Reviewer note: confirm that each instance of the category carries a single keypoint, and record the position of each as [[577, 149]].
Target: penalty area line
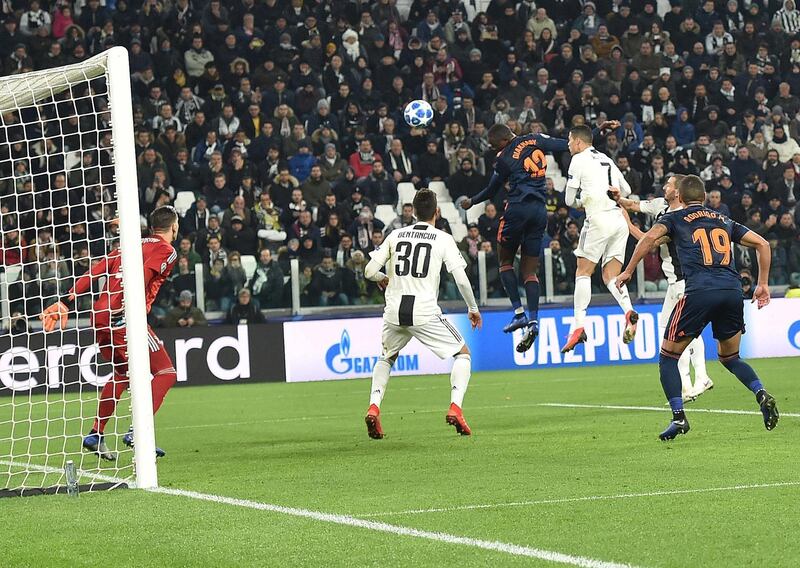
[[346, 520], [667, 492]]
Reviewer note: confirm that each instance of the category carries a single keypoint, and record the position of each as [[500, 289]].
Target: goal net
[[68, 197]]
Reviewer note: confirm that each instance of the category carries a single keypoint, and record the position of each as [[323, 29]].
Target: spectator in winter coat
[[682, 129], [244, 311], [361, 160], [184, 314], [316, 187], [300, 164], [267, 282]]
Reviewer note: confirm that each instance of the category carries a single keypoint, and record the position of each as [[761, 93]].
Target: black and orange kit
[[702, 238]]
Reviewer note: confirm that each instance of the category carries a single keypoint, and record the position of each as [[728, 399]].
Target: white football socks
[[380, 378], [683, 369], [459, 378], [697, 352], [621, 296], [583, 295]]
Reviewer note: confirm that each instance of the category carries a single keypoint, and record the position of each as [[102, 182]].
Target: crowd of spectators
[[284, 118]]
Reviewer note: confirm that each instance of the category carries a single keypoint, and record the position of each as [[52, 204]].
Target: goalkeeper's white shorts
[[437, 334]]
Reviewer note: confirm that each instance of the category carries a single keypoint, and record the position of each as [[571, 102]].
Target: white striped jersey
[[670, 264], [413, 257]]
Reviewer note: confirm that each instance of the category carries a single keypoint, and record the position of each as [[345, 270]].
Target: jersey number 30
[[716, 238], [414, 260]]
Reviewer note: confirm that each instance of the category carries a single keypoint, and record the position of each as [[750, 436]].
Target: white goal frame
[[20, 91]]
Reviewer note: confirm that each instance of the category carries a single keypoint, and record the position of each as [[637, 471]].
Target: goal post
[[69, 196]]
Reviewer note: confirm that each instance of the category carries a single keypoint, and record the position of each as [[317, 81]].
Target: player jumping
[[604, 235], [413, 257], [702, 240], [671, 267], [108, 320], [521, 161]]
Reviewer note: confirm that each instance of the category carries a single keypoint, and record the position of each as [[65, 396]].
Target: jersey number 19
[[413, 259]]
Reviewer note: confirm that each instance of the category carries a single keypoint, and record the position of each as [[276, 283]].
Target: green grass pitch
[[305, 446]]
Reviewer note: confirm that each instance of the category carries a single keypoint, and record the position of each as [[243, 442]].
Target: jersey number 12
[[413, 259]]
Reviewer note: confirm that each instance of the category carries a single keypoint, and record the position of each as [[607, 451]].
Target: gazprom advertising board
[[336, 349]]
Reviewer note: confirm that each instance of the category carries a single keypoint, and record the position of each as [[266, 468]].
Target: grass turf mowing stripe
[[496, 546], [661, 409], [586, 498], [468, 409], [346, 520]]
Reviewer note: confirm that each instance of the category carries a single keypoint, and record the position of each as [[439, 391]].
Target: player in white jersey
[[413, 257], [604, 235], [670, 265]]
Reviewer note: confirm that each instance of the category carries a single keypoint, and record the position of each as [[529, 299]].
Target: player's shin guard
[[459, 378], [671, 382], [111, 393], [622, 296], [162, 382], [511, 285], [380, 378], [744, 372], [583, 295], [532, 296]]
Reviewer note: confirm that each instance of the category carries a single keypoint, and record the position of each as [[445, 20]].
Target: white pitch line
[[586, 498], [81, 472], [346, 520], [691, 409]]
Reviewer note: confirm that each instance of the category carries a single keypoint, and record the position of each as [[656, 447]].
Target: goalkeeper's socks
[[532, 296], [511, 285], [744, 372], [671, 379]]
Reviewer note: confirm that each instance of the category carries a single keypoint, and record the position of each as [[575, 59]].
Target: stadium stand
[[304, 100]]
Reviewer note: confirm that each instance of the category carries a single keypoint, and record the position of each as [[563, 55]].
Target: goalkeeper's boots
[[96, 444], [631, 321], [127, 439], [576, 337], [531, 333], [675, 427], [373, 420], [456, 418], [769, 409], [517, 322]]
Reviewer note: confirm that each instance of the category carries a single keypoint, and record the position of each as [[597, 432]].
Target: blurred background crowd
[[275, 127]]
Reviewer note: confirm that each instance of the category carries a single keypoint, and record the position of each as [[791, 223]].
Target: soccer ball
[[418, 113]]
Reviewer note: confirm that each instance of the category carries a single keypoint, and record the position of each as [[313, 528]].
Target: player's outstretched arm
[[465, 288], [648, 241], [57, 313], [496, 182], [764, 254]]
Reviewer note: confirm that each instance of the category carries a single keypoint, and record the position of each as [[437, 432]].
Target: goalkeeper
[[108, 320]]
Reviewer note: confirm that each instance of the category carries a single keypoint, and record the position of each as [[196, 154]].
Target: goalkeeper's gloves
[[54, 315]]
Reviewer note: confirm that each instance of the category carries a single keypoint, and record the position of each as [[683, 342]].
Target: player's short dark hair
[[692, 189], [425, 204], [678, 179], [582, 132], [163, 218], [499, 133]]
